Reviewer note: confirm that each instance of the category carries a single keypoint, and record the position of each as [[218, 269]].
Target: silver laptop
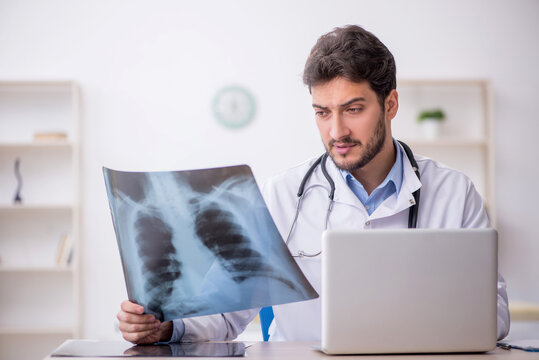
[[409, 291]]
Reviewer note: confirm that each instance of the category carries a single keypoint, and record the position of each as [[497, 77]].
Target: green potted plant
[[430, 121]]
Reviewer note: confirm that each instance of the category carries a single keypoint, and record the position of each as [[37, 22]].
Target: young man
[[352, 79]]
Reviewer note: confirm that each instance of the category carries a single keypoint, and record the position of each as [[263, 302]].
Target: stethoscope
[[412, 216]]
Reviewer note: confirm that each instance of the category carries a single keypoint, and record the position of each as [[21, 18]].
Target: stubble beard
[[371, 149]]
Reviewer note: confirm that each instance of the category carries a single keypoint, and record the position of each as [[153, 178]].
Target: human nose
[[338, 129]]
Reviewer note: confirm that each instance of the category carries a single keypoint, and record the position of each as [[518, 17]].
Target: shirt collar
[[394, 175]]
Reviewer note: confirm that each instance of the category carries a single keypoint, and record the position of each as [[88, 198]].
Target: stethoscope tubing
[[412, 217]]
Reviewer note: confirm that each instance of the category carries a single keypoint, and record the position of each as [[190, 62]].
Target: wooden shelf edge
[[37, 144], [33, 269], [6, 330], [442, 81], [446, 143], [38, 207], [28, 82], [524, 311]]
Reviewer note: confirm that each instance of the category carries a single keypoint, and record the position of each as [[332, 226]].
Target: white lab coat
[[448, 200]]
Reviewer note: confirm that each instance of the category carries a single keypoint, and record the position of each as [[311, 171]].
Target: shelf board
[[441, 82], [35, 207], [524, 311], [36, 330], [446, 143], [37, 83], [37, 144], [34, 269]]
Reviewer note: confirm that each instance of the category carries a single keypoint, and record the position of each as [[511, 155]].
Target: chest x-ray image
[[200, 242]]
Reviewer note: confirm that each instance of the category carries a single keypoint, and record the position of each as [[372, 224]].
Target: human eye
[[320, 113], [354, 109]]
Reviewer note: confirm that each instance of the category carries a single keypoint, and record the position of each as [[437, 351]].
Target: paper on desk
[[200, 242], [526, 345]]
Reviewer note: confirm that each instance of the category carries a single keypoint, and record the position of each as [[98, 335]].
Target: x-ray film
[[200, 242]]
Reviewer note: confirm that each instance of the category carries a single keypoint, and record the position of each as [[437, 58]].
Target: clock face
[[234, 106]]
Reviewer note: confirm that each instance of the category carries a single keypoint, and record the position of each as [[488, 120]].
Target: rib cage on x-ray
[[202, 251], [218, 230]]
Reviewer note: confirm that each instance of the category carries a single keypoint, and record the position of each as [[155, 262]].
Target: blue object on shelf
[[266, 317]]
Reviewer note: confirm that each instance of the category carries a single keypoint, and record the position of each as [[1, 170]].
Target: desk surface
[[295, 350], [305, 350]]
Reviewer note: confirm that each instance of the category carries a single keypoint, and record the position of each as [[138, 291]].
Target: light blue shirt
[[391, 184], [178, 330]]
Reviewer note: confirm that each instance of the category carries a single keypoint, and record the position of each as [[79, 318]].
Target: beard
[[370, 150]]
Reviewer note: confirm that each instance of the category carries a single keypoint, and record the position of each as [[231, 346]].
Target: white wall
[[149, 70]]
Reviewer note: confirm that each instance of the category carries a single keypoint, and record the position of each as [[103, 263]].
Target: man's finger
[[131, 318], [137, 338], [136, 328], [131, 307]]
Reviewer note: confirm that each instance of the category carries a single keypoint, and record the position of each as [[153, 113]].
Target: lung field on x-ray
[[158, 254], [219, 231]]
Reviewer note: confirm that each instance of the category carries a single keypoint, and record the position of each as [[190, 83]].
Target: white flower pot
[[430, 128]]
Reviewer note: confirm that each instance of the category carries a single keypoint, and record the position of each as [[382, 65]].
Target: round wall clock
[[234, 106]]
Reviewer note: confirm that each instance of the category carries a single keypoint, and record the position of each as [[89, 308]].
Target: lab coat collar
[[343, 193], [410, 182], [405, 198], [392, 205]]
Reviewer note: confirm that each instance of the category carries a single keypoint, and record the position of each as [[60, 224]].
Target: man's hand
[[139, 328]]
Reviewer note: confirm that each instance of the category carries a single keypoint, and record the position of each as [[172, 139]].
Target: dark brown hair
[[355, 54]]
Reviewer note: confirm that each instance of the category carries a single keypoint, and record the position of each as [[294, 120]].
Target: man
[[352, 79]]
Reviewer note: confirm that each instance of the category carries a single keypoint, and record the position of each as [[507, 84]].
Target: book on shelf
[[64, 254], [50, 136]]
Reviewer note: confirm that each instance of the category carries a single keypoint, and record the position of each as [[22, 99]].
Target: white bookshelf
[[40, 298], [466, 138]]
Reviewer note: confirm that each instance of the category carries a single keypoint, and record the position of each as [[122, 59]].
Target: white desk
[[305, 350]]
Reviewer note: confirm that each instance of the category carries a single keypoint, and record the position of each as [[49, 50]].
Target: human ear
[[392, 104]]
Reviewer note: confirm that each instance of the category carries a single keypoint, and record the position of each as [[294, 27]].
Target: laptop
[[409, 291]]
